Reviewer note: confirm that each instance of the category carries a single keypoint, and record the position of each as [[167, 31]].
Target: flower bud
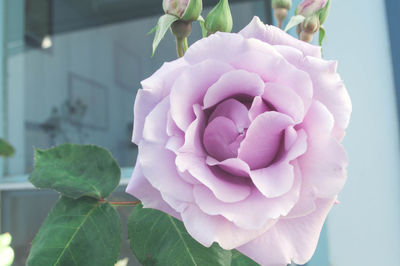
[[309, 26], [308, 7], [286, 4], [281, 8], [219, 18], [188, 10]]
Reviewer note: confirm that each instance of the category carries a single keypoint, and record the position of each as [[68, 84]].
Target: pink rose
[[308, 7], [240, 139], [175, 7]]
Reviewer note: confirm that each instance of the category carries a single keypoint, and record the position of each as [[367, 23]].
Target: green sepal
[[163, 24], [219, 18], [322, 35], [78, 232], [294, 21], [6, 149], [76, 171], [324, 12], [193, 10], [203, 26]]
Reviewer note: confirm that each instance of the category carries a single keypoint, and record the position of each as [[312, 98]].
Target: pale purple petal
[[273, 67], [324, 164], [150, 197], [263, 138], [225, 187], [160, 83], [289, 239], [246, 214], [155, 123], [330, 90], [273, 35], [237, 82], [222, 138], [194, 134], [191, 87], [234, 110], [235, 166], [218, 229], [171, 183], [145, 102], [278, 178], [258, 107], [285, 100]]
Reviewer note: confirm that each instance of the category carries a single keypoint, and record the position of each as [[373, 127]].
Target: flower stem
[[185, 45], [180, 47], [122, 203]]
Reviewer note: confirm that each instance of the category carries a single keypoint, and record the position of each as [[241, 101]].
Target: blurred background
[[70, 69]]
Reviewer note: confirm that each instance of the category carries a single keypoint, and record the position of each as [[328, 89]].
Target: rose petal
[[277, 179], [263, 139], [237, 82], [235, 111], [155, 123], [225, 187], [330, 90], [171, 183], [191, 87], [150, 197], [247, 213], [144, 103], [273, 35], [160, 83], [219, 229], [221, 138], [194, 134], [285, 100], [324, 164], [235, 166], [274, 68], [258, 107], [289, 239]]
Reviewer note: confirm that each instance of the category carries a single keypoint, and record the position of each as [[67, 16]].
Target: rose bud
[[308, 28], [219, 18], [281, 8], [308, 7], [315, 13], [187, 10]]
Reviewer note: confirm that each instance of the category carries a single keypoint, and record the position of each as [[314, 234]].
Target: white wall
[[365, 228]]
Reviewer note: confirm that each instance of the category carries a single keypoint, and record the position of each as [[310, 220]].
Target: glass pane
[[73, 69]]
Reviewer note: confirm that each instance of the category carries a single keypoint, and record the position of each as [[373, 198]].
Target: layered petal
[[275, 36], [258, 149], [289, 239], [191, 87]]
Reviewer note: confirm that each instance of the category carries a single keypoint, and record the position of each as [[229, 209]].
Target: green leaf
[[6, 252], [321, 35], [294, 21], [159, 239], [76, 171], [238, 259], [152, 30], [164, 23], [78, 232], [203, 26], [6, 149]]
